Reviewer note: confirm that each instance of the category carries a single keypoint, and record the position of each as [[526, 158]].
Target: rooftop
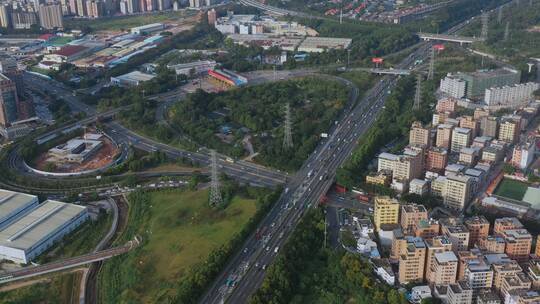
[[446, 257], [38, 224], [10, 202], [70, 50]]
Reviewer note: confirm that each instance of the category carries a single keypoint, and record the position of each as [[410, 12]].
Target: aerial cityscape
[[270, 151]]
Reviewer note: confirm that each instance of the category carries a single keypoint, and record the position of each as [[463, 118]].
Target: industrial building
[[77, 150], [131, 79], [228, 77], [147, 29], [37, 229], [13, 204], [195, 67], [322, 44]]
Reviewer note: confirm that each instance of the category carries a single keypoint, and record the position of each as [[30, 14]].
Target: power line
[[485, 25], [215, 192], [431, 70], [418, 93], [287, 132], [506, 31]]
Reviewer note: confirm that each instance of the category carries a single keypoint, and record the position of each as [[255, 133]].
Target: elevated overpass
[[451, 38], [68, 263], [380, 71]]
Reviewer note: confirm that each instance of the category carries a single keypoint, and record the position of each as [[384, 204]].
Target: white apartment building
[[461, 138], [453, 86], [510, 95], [457, 190]]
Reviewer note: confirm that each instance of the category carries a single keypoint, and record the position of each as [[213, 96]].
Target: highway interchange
[[245, 272]]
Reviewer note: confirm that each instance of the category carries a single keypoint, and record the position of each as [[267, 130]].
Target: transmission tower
[[500, 15], [215, 192], [287, 134], [506, 31], [431, 70], [485, 24], [418, 93]]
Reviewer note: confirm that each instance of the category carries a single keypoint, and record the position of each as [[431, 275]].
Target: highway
[[68, 263], [246, 270]]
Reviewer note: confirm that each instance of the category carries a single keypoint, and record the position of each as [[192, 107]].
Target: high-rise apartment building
[[457, 233], [489, 126], [446, 105], [444, 136], [411, 214], [386, 211], [418, 135], [461, 138], [478, 274], [212, 17], [460, 293], [404, 167], [427, 229], [453, 86], [436, 159], [478, 227], [492, 244], [412, 261], [518, 244], [444, 268], [509, 130], [508, 268], [50, 16], [523, 153], [469, 122], [510, 96], [23, 20], [512, 285], [457, 191], [438, 244], [506, 223]]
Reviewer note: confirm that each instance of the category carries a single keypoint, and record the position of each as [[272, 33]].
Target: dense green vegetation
[[60, 289], [523, 41], [185, 244], [306, 272], [314, 106]]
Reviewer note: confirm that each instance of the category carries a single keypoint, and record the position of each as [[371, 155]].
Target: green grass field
[[511, 189], [60, 289], [179, 230], [124, 22]]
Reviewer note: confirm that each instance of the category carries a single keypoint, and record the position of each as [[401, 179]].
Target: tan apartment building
[[427, 229], [419, 136], [509, 130], [438, 244], [518, 244], [436, 159], [492, 244], [444, 268], [411, 214], [460, 293], [506, 223], [444, 136], [386, 211], [457, 233], [478, 227], [412, 261]]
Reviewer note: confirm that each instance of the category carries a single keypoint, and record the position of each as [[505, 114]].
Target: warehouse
[[37, 230], [13, 204]]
